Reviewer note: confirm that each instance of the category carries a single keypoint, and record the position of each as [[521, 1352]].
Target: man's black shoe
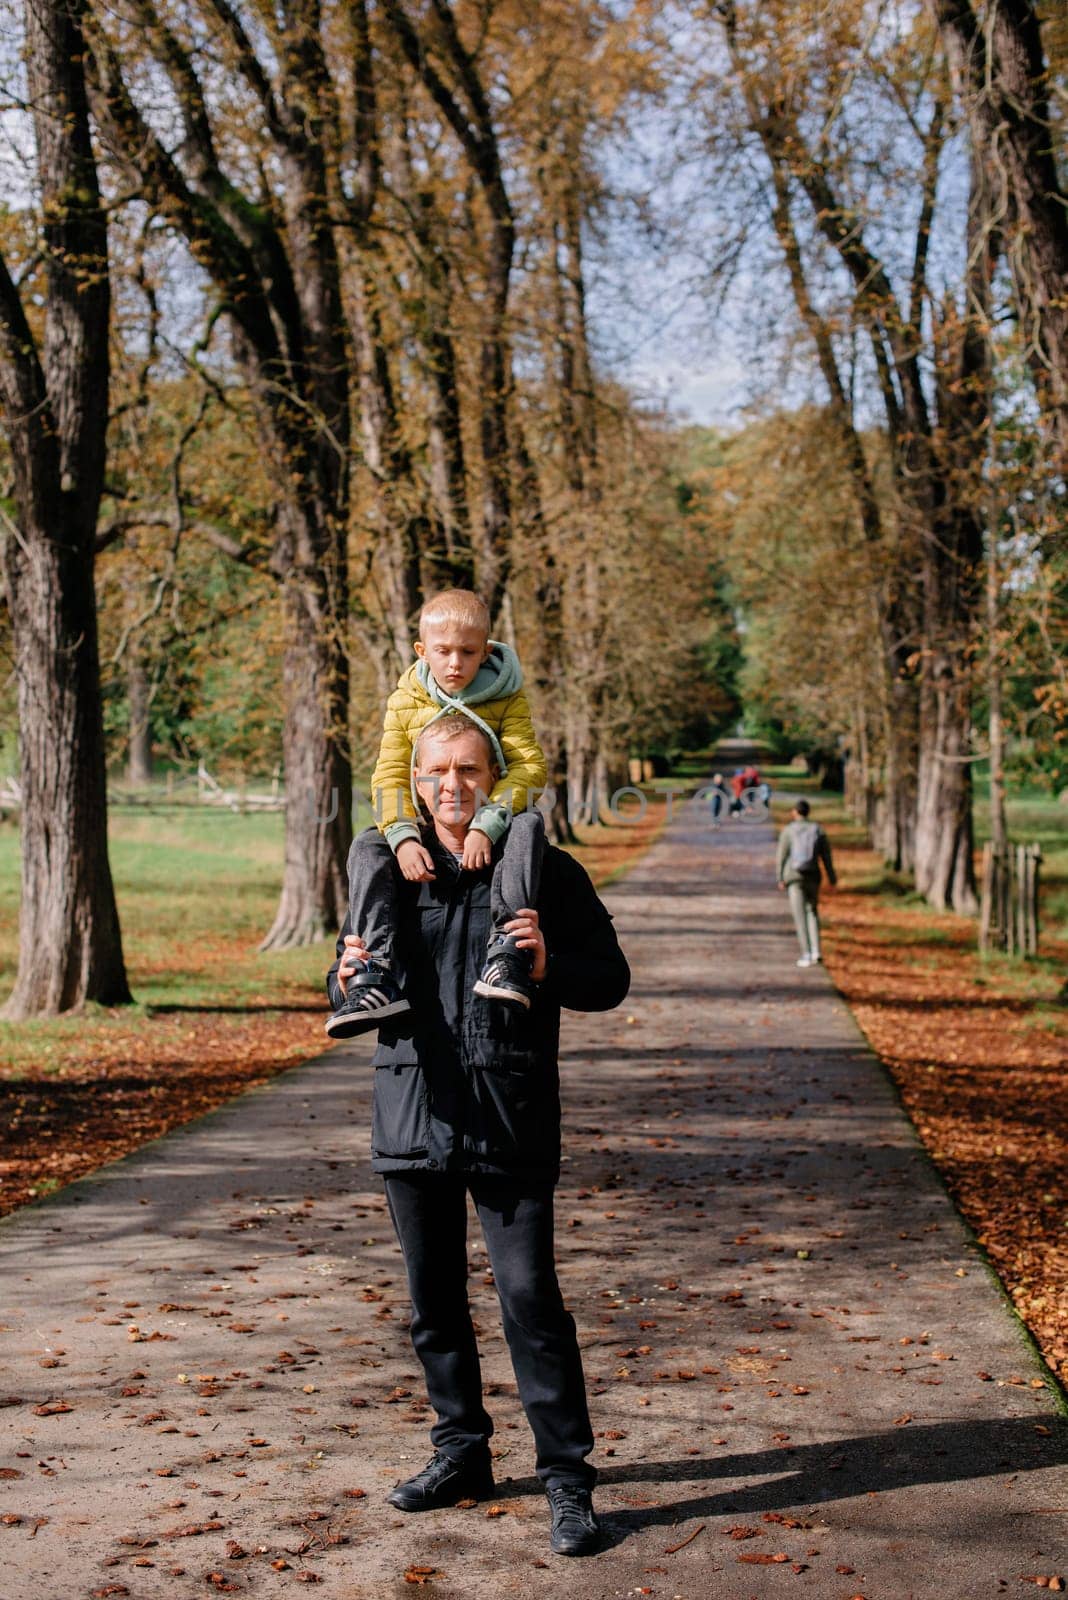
[[373, 995], [442, 1482], [575, 1529], [506, 976]]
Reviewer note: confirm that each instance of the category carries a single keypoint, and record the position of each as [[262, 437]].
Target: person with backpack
[[803, 849]]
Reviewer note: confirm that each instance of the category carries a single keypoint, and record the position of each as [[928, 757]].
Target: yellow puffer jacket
[[496, 702]]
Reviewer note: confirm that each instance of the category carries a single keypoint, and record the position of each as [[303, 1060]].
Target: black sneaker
[[575, 1529], [373, 995], [443, 1481], [506, 976]]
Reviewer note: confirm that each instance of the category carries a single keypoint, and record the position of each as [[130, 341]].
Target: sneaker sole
[[347, 1026], [489, 992]]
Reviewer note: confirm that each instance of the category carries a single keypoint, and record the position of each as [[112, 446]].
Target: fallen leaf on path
[[422, 1574], [760, 1558]]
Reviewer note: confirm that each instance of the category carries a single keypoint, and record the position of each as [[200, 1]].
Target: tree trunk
[[139, 751], [1001, 74], [275, 269], [70, 947], [999, 832], [895, 833], [318, 819], [945, 843], [466, 106], [548, 678], [56, 405], [892, 818]]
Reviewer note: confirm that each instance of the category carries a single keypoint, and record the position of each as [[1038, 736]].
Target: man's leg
[[429, 1212], [517, 1221], [796, 895], [812, 918]]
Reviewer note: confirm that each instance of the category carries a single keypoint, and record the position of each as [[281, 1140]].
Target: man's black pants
[[429, 1212]]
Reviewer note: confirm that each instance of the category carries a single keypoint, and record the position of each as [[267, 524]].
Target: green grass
[[197, 889]]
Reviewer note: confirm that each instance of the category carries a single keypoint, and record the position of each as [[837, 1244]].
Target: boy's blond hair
[[462, 606]]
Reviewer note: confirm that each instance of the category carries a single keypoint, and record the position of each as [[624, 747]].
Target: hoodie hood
[[499, 676]]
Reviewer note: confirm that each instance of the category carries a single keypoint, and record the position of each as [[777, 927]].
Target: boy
[[459, 668], [803, 845]]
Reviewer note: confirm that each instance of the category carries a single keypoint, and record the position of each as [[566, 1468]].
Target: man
[[803, 847], [466, 1100]]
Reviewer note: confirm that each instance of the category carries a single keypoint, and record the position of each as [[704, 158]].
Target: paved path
[[794, 1351]]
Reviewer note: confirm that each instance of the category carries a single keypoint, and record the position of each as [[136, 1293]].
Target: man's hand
[[530, 937], [415, 861], [353, 957], [477, 850]]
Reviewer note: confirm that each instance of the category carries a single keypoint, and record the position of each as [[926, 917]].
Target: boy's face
[[453, 652]]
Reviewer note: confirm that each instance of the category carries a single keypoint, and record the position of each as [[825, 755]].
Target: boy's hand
[[530, 937], [477, 850], [415, 861], [353, 958]]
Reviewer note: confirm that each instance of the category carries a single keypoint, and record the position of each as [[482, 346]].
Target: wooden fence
[[1008, 915]]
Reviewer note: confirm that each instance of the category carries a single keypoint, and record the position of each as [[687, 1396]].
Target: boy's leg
[[373, 882], [374, 993], [517, 875], [515, 884]]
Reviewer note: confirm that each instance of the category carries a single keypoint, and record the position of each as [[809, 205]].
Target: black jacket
[[464, 1084]]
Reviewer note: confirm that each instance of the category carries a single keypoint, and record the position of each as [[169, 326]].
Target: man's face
[[453, 653], [453, 776]]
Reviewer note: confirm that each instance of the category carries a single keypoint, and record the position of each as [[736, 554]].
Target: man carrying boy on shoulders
[[467, 1101]]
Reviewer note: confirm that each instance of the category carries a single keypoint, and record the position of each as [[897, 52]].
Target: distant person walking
[[803, 848], [718, 797]]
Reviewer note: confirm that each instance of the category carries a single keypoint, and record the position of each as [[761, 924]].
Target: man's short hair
[[453, 726], [801, 807], [462, 606]]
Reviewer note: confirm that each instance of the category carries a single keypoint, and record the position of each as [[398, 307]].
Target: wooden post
[[1034, 861], [986, 897]]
